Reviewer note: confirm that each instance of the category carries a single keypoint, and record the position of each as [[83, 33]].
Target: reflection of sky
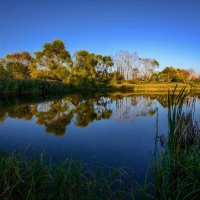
[[126, 144]]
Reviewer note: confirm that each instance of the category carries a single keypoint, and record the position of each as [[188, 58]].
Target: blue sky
[[167, 30]]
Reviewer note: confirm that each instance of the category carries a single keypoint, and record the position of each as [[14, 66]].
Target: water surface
[[115, 130]]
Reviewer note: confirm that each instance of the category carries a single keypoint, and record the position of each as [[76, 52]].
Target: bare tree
[[124, 63], [131, 67], [147, 67], [193, 74]]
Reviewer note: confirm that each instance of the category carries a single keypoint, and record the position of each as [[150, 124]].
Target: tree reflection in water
[[56, 115], [135, 106]]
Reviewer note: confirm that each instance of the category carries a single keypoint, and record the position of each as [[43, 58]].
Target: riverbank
[[12, 87], [149, 88]]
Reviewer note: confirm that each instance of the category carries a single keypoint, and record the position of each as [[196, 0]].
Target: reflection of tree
[[92, 110], [135, 106], [3, 116], [57, 115], [21, 112], [162, 99], [18, 112]]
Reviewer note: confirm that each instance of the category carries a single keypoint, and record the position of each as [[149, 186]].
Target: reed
[[31, 87], [34, 179], [176, 170]]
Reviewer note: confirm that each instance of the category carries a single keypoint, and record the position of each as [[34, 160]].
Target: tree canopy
[[86, 69]]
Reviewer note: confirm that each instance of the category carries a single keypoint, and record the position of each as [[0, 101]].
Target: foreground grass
[[23, 179], [176, 171]]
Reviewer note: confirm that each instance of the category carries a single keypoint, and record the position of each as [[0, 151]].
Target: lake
[[116, 130]]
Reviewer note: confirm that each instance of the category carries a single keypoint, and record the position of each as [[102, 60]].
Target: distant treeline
[[82, 70]]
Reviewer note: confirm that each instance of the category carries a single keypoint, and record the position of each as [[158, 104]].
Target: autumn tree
[[183, 75], [18, 65], [168, 74], [172, 74], [3, 72]]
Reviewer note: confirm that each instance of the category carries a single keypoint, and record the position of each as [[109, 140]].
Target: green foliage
[[54, 59], [17, 70], [22, 179], [88, 70], [92, 66], [172, 74]]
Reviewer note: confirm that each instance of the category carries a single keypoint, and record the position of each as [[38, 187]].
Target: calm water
[[105, 130]]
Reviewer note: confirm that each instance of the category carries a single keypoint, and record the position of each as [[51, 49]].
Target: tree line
[[54, 63]]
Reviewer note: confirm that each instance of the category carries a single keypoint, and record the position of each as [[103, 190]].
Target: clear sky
[[167, 30]]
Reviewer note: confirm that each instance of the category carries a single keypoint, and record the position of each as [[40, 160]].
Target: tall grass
[[24, 179], [176, 171], [33, 87]]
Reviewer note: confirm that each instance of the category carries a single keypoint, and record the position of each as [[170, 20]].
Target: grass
[[149, 87], [176, 171], [32, 87], [16, 87], [24, 179]]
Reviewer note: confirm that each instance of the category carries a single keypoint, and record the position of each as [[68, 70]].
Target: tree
[[23, 58], [135, 74], [172, 74], [3, 72], [183, 75], [18, 70], [147, 67], [124, 63], [54, 59], [103, 67], [18, 65], [168, 74], [193, 74], [90, 67], [85, 63], [130, 66]]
